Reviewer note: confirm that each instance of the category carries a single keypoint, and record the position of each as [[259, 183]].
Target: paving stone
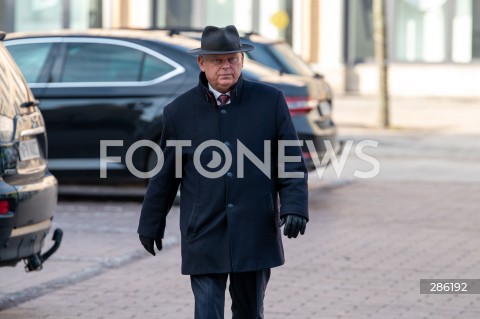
[[368, 242]]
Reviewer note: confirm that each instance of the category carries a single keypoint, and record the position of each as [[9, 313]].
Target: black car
[[28, 192], [112, 86]]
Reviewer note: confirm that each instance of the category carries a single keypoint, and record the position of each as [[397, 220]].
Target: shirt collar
[[216, 93]]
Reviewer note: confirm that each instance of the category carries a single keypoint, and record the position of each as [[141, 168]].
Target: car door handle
[[139, 105]]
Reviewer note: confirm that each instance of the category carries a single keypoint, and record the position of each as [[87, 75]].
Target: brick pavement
[[367, 244], [366, 248]]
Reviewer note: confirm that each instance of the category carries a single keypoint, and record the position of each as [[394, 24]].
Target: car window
[[280, 56], [98, 62], [290, 61], [30, 58], [13, 91], [154, 68], [264, 57]]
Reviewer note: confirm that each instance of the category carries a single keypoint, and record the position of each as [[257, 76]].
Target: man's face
[[222, 70]]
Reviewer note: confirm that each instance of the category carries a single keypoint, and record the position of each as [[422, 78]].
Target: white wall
[[448, 80], [140, 13], [331, 44]]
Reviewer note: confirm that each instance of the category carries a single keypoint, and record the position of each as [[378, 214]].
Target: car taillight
[[300, 105], [4, 207]]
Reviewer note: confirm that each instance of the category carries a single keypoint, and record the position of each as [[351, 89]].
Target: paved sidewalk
[[367, 245], [439, 115]]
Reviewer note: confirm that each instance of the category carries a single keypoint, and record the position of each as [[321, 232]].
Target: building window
[[3, 16], [219, 12], [360, 41], [466, 31], [177, 13], [420, 31], [85, 14], [38, 15], [436, 31]]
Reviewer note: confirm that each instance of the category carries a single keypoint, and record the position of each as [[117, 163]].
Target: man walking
[[230, 219]]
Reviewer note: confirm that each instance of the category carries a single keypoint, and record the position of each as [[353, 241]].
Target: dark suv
[[28, 192], [102, 91]]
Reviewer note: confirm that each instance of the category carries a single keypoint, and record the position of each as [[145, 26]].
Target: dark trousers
[[247, 290]]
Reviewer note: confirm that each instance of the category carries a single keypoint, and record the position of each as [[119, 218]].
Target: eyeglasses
[[220, 61]]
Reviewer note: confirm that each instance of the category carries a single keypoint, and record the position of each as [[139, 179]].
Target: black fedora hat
[[221, 41]]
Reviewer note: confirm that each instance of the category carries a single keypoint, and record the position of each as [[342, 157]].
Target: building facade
[[433, 45], [247, 15]]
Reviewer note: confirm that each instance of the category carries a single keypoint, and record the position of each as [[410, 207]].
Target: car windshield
[[291, 62], [286, 60]]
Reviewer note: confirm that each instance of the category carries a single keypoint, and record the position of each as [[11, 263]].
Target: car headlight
[[6, 129]]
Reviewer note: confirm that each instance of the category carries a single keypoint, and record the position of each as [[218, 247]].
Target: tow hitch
[[35, 262]]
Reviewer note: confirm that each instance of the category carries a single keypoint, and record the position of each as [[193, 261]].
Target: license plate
[[324, 108], [29, 150]]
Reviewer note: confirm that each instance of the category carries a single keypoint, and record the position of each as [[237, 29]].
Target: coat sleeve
[[293, 191], [162, 188]]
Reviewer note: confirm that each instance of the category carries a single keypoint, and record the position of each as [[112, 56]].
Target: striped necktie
[[223, 99]]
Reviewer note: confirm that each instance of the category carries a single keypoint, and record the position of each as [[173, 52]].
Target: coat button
[[230, 205], [223, 111], [229, 174]]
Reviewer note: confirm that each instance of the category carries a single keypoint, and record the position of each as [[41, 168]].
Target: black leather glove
[[147, 243], [294, 224]]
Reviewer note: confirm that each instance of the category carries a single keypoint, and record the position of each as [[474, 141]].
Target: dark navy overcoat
[[230, 205]]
